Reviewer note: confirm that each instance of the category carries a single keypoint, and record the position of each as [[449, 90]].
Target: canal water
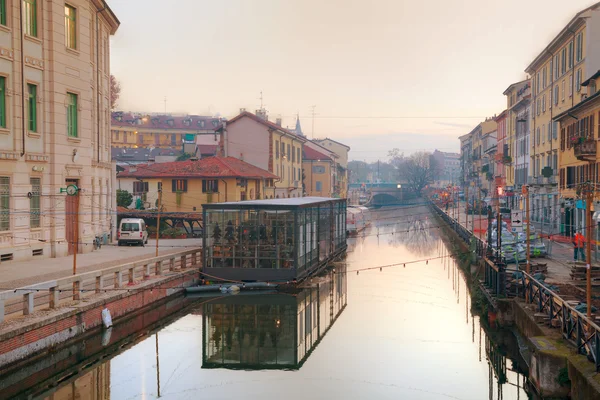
[[394, 321]]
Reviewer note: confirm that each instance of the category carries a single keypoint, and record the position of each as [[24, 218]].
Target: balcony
[[585, 149]]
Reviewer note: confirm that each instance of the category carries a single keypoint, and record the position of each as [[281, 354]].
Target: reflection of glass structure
[[280, 239], [271, 331]]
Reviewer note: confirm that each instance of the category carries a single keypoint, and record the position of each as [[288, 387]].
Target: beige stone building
[[54, 126]]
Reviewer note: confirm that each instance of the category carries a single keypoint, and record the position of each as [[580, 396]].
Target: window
[[544, 103], [317, 169], [282, 150], [288, 153], [563, 90], [298, 155], [140, 187], [179, 185], [578, 80], [319, 186], [556, 95], [34, 202], [570, 55], [32, 107], [549, 131], [210, 186], [579, 51], [4, 203], [556, 67], [293, 154], [277, 149], [563, 61], [2, 101], [555, 130], [70, 27], [537, 83], [30, 17], [3, 11], [537, 140], [544, 76], [72, 115], [543, 133], [570, 86]]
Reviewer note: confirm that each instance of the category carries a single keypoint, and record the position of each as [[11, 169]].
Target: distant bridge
[[387, 196]]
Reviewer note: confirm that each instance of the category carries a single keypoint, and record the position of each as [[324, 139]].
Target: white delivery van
[[132, 230]]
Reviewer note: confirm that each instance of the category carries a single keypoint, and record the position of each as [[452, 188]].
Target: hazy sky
[[382, 74]]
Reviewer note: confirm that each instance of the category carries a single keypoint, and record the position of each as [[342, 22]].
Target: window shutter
[[174, 185], [216, 186], [185, 185], [203, 186]]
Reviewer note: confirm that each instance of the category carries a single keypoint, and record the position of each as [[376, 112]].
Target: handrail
[[151, 266]]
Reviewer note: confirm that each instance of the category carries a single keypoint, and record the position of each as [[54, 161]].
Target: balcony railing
[[585, 150]]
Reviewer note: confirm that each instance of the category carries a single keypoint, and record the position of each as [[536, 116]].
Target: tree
[[115, 92], [183, 157], [417, 170], [124, 198]]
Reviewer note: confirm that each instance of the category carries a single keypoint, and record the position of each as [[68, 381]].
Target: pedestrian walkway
[[559, 252], [15, 274]]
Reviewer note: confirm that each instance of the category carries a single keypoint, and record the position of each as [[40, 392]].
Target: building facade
[[579, 149], [341, 151], [502, 151], [448, 167], [267, 145], [320, 171], [186, 185], [55, 127], [144, 130], [557, 74]]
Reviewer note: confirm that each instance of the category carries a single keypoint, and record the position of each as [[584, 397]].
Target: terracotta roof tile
[[264, 122], [309, 153], [211, 167]]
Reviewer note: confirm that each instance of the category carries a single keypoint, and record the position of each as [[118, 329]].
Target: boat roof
[[293, 202]]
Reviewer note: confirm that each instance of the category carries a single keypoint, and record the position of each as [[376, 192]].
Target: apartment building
[[54, 127], [145, 130], [341, 151], [448, 167], [256, 140], [502, 151], [557, 74]]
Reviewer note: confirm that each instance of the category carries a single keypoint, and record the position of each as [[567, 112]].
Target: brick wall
[[38, 337]]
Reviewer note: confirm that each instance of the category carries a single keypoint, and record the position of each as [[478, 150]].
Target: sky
[[406, 74]]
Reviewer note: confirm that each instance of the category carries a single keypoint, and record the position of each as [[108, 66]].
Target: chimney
[[262, 114], [242, 110], [278, 121]]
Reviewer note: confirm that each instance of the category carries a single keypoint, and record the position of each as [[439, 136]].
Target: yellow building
[[162, 131], [516, 127], [320, 172], [186, 185], [557, 74], [579, 149], [269, 146]]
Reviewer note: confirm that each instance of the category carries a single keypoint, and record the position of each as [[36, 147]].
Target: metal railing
[[575, 327], [50, 294]]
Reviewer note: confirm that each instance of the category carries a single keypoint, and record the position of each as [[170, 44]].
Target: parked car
[[132, 230]]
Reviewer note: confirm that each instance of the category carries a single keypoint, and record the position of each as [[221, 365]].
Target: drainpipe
[[23, 102], [98, 79], [225, 182]]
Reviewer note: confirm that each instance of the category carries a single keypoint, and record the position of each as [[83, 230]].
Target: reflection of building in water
[[271, 330], [93, 385]]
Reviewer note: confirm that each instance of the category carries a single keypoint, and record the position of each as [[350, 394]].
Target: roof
[[577, 106], [292, 202], [266, 123], [565, 30], [513, 85], [187, 123], [210, 167], [334, 141], [591, 78], [110, 16], [140, 154], [309, 153], [207, 149], [149, 214]]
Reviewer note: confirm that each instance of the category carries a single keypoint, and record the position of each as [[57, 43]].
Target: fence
[[575, 326], [51, 293]]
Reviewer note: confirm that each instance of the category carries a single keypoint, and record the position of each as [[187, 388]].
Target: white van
[[132, 230]]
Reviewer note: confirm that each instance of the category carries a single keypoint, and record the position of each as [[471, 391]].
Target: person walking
[[578, 243]]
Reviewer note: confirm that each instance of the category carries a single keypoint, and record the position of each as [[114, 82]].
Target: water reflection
[[406, 333], [273, 331]]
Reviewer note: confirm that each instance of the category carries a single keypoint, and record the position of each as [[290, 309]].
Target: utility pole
[[158, 219], [525, 192], [588, 211], [76, 248], [312, 133], [467, 208]]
